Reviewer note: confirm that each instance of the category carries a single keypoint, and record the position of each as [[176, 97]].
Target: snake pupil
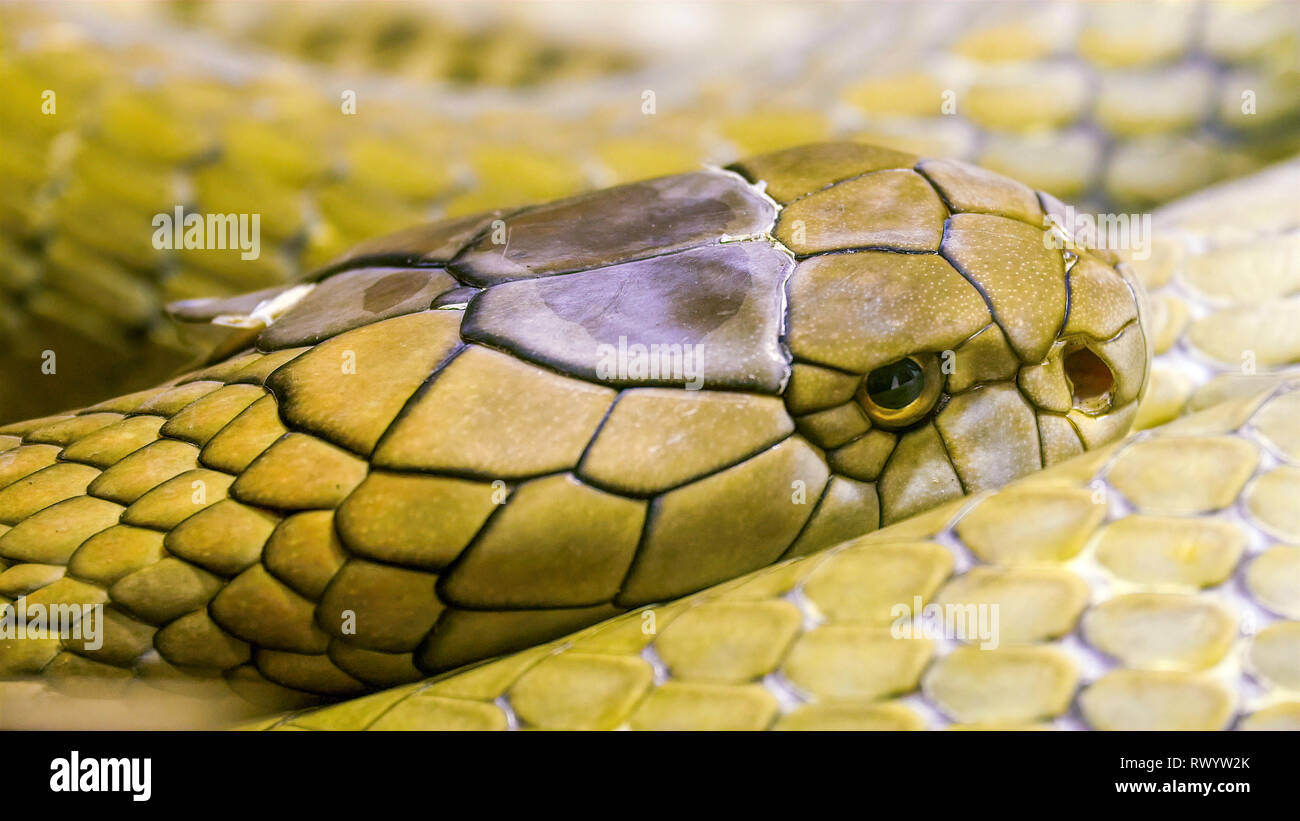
[[896, 385]]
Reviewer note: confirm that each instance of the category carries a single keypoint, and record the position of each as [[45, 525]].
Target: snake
[[479, 434], [418, 459], [1152, 583], [1095, 563]]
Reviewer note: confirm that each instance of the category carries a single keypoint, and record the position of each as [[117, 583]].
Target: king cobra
[[676, 410]]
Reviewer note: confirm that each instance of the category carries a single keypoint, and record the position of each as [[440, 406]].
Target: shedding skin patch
[[616, 225]]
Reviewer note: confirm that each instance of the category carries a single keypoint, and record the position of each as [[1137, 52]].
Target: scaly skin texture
[[445, 447], [1115, 105], [415, 39], [1224, 290], [1152, 584]]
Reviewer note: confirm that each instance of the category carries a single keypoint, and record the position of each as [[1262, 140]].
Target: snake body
[[1149, 586], [418, 458]]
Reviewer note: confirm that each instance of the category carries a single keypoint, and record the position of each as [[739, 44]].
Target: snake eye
[[900, 393]]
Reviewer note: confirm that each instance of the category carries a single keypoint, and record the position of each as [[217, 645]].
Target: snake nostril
[[1091, 379]]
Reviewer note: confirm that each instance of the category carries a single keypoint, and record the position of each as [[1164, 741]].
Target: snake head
[[946, 335]]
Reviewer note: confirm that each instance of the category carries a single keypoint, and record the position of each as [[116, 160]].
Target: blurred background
[[338, 121]]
